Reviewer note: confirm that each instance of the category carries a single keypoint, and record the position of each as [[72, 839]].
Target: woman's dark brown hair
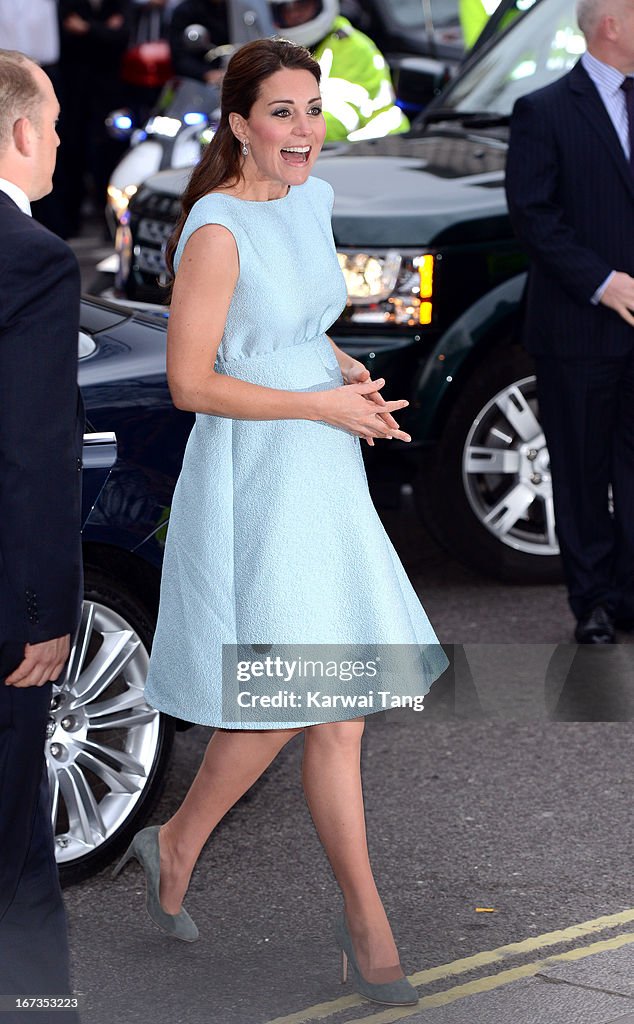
[[221, 163]]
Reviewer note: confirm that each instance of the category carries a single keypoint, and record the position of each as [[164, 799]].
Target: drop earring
[[245, 148]]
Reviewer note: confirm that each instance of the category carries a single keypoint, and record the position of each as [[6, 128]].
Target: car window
[[408, 13], [411, 13], [536, 50], [444, 12]]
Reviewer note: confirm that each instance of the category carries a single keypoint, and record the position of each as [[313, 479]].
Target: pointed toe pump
[[145, 848], [391, 993]]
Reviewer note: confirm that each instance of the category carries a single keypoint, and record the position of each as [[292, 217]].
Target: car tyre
[[454, 499]]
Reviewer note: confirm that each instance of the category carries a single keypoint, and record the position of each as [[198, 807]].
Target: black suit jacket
[[41, 428], [100, 49], [570, 192]]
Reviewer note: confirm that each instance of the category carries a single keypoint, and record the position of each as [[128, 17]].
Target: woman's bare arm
[[205, 282]]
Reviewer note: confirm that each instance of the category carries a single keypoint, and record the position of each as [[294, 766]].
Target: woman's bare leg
[[331, 774], [234, 759]]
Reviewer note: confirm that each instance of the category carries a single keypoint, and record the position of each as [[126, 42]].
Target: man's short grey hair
[[20, 95], [589, 14]]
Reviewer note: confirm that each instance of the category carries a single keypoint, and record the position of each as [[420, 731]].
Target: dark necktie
[[627, 85]]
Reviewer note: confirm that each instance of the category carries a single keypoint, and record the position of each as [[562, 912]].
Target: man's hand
[[619, 295], [41, 662], [76, 24]]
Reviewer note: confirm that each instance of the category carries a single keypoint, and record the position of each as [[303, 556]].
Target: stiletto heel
[[391, 993], [344, 966], [145, 848], [128, 855]]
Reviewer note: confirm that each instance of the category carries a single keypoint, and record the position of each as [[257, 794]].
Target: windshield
[[410, 13], [536, 50]]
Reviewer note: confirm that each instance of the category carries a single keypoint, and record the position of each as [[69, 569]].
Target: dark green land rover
[[435, 287]]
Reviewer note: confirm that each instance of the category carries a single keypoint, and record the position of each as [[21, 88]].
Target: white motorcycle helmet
[[304, 21]]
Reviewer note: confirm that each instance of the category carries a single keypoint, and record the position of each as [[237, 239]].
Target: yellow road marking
[[493, 981], [479, 960], [535, 942]]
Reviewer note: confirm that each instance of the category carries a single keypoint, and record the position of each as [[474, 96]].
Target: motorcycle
[[184, 119], [171, 138]]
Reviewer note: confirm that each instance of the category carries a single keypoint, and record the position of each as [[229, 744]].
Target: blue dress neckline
[[255, 202]]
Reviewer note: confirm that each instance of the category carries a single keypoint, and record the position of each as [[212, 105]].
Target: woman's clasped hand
[[361, 410]]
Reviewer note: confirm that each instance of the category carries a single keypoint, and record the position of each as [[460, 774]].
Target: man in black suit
[[41, 427], [570, 189], [93, 38]]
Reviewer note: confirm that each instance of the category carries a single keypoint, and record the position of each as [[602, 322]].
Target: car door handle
[[99, 454], [100, 450]]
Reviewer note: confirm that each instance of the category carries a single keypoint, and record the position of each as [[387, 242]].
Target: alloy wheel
[[506, 471], [102, 737]]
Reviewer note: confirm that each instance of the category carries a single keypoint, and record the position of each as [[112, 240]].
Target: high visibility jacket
[[474, 15], [356, 87]]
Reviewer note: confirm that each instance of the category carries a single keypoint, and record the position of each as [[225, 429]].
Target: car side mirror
[[196, 38]]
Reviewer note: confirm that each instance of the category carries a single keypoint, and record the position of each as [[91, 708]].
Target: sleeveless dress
[[273, 538]]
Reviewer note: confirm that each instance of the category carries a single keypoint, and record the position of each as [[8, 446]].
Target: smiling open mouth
[[296, 155]]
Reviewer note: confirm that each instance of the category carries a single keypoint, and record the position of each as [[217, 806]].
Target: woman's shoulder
[[213, 208], [319, 193], [210, 201], [210, 209], [321, 187]]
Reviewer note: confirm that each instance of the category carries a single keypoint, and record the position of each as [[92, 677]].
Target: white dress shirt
[[31, 27], [14, 192], [608, 84]]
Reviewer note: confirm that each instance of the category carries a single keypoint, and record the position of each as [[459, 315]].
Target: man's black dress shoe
[[597, 627]]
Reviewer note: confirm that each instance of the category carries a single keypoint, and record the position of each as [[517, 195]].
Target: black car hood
[[399, 191], [404, 192]]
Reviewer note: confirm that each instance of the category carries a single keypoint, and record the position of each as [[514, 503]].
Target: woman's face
[[285, 129]]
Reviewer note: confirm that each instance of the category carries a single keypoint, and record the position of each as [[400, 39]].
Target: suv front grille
[[153, 216], [150, 261], [155, 231]]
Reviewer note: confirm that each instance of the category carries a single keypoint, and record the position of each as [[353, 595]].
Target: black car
[[106, 749], [435, 283]]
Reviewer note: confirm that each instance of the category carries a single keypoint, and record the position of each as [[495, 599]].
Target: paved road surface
[[499, 815]]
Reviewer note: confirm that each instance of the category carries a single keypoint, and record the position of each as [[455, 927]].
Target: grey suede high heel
[[392, 993], [145, 847]]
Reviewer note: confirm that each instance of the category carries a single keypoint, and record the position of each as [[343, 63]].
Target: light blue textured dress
[[273, 538]]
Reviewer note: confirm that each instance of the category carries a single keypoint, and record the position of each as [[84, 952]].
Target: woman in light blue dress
[[276, 559]]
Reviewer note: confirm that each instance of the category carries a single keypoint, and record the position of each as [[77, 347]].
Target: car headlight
[[118, 198], [123, 248], [161, 124], [369, 278], [120, 123], [206, 135], [388, 287]]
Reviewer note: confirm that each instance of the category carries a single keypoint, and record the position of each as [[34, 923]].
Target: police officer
[[356, 86]]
